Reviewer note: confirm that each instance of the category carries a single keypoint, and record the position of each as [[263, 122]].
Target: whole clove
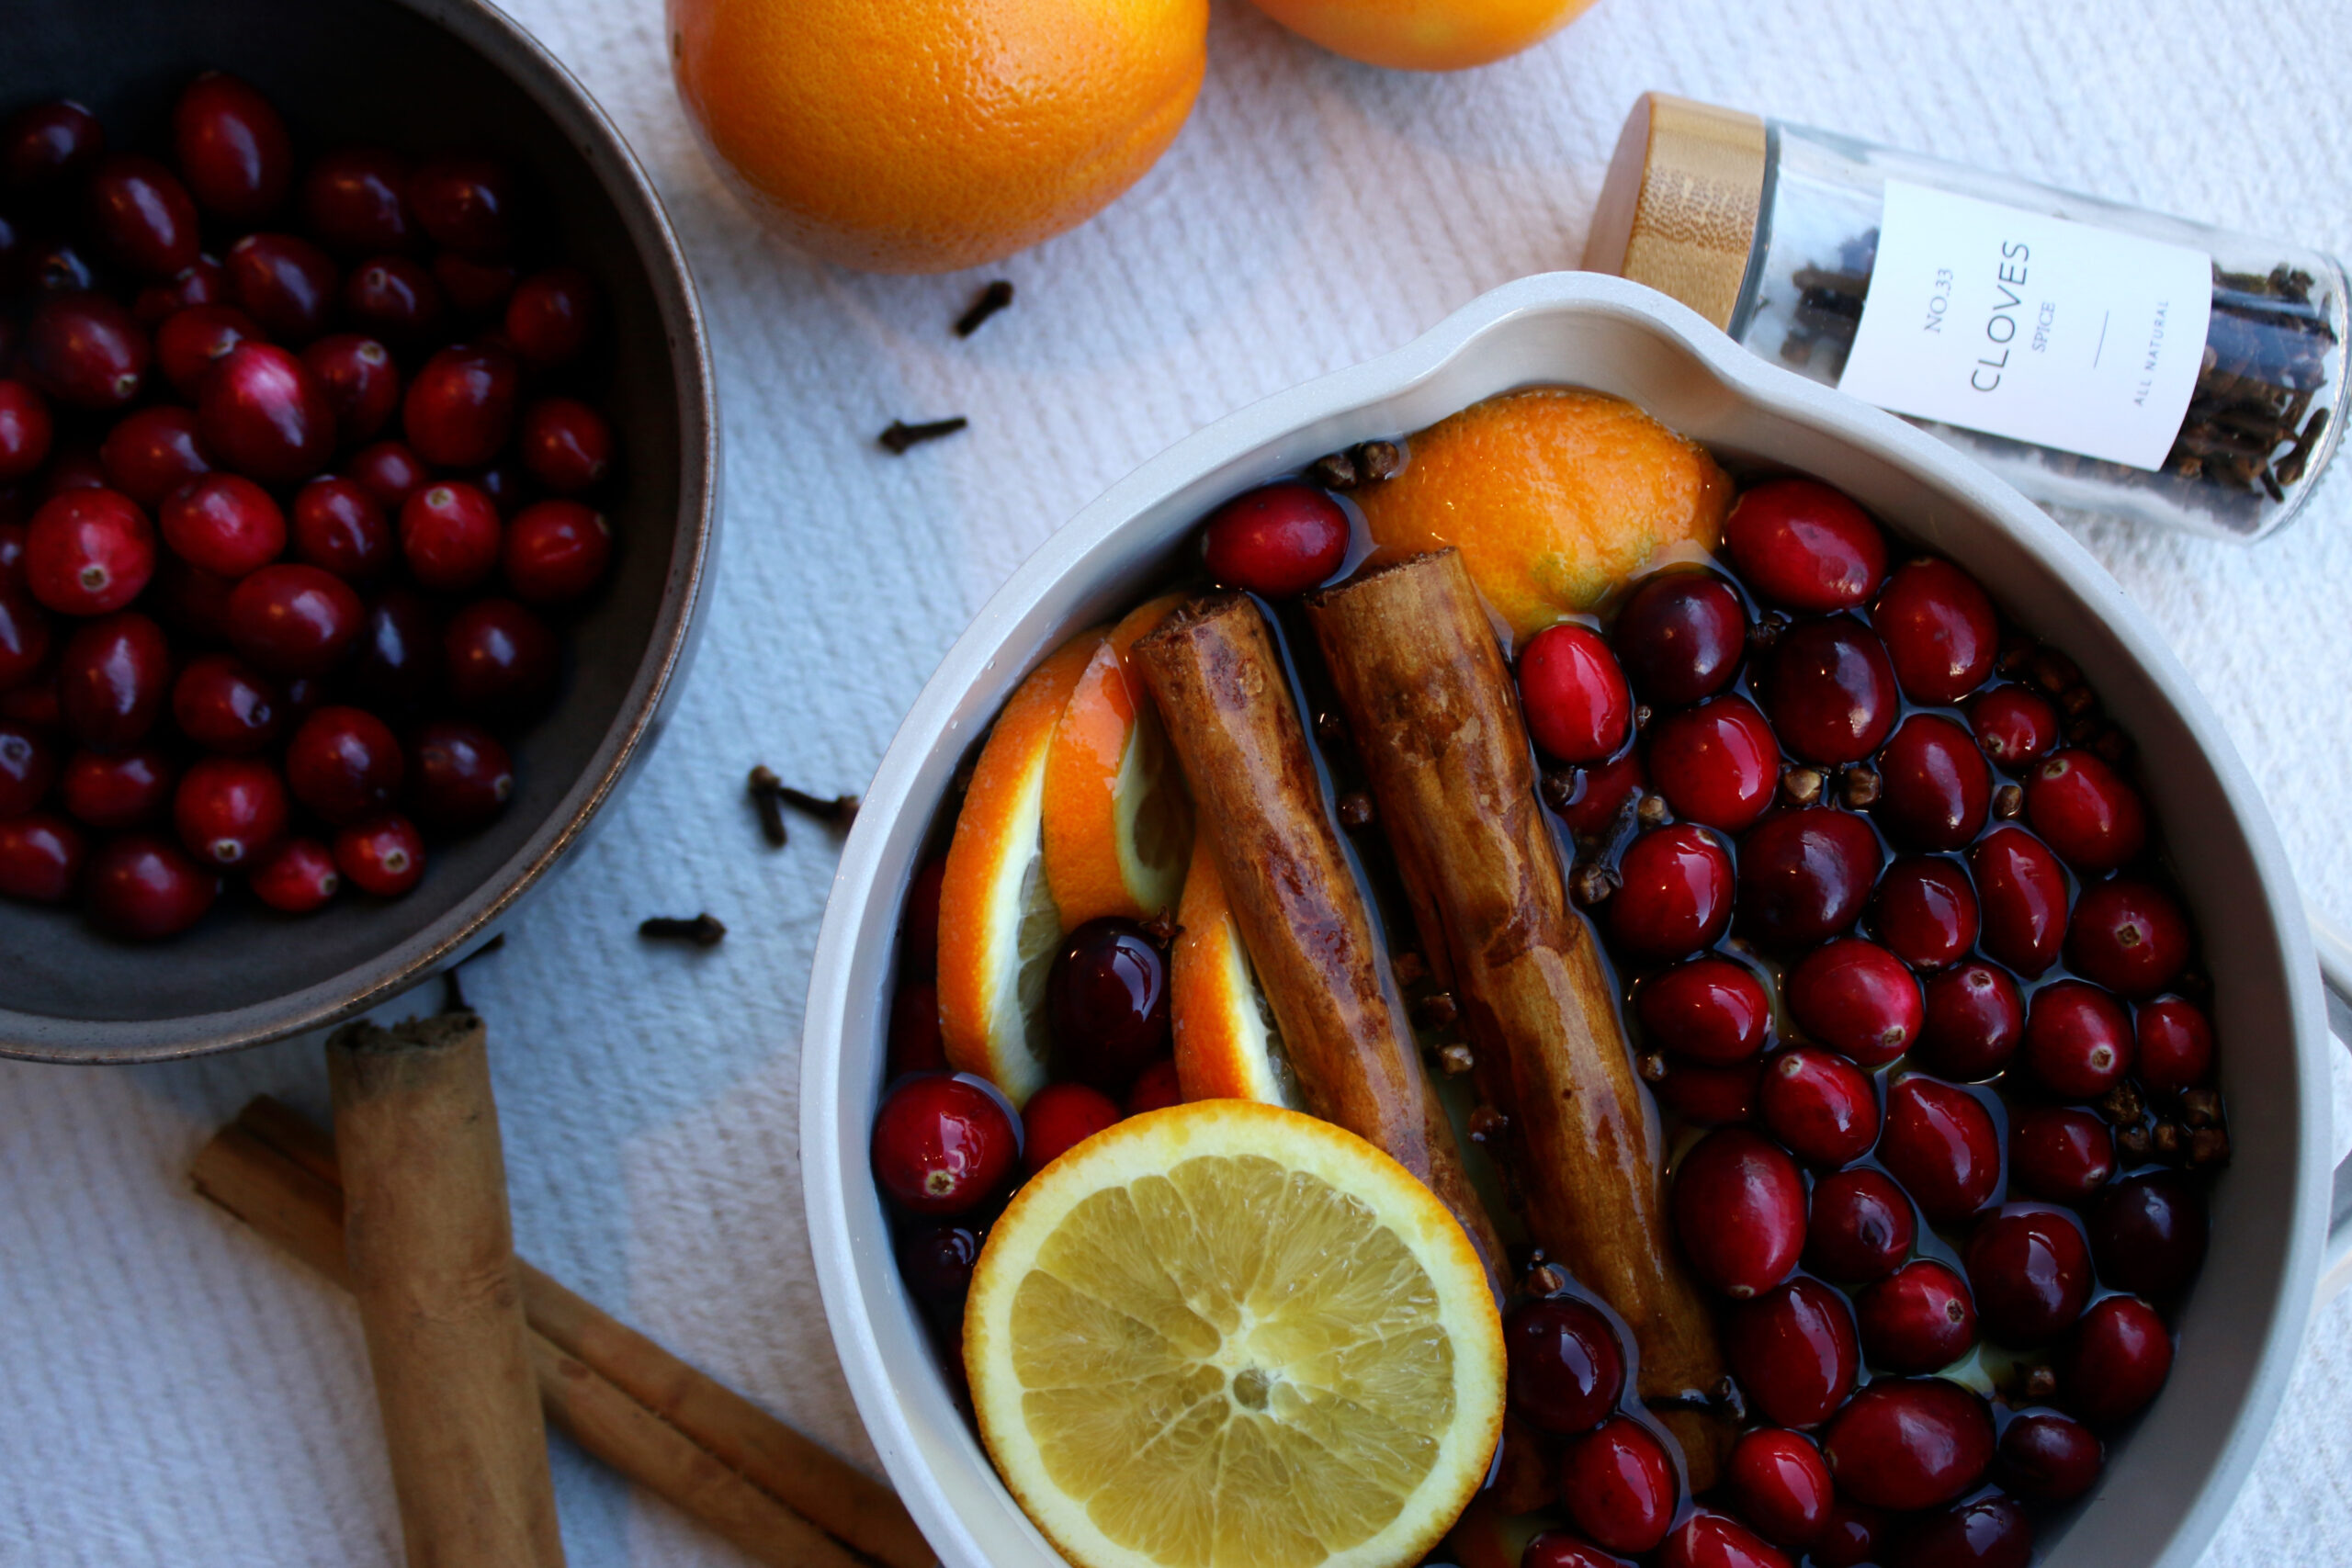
[[1378, 460], [1650, 811], [1863, 787], [1455, 1060], [453, 994], [2009, 802], [1334, 470], [1592, 884], [1436, 1010], [702, 930], [767, 798], [1802, 786], [901, 435], [994, 298]]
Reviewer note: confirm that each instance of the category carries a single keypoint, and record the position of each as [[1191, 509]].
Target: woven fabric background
[[175, 1393]]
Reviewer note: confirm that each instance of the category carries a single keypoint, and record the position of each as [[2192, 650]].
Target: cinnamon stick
[[1225, 699], [1437, 726]]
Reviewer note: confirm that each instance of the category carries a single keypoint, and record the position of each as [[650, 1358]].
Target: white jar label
[[2042, 330]]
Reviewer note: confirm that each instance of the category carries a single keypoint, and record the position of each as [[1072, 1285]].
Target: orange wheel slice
[[1226, 1044]]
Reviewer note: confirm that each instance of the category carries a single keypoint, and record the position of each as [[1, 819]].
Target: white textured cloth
[[176, 1393]]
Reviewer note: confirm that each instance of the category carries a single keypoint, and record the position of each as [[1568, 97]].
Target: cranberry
[[1793, 1350], [1804, 875], [2049, 1458], [1680, 637], [1277, 540], [45, 147], [352, 202], [263, 414], [1709, 1010], [1557, 1549], [2086, 812], [71, 468], [2115, 1362], [149, 455], [478, 288], [58, 268], [23, 637], [937, 1263], [233, 146], [916, 1045], [1974, 1019], [28, 763], [1566, 1371], [394, 299], [286, 283], [1861, 1226], [509, 486], [460, 407], [390, 472], [128, 789], [554, 550], [1156, 1088], [2077, 1039], [190, 342], [142, 215], [398, 666], [2022, 891], [86, 350], [204, 282], [223, 525], [1602, 792], [1740, 1211], [1676, 894], [41, 858], [1939, 1143], [1712, 1097], [1918, 1319], [113, 678], [295, 877], [1106, 1003], [1851, 1538], [1936, 787], [1926, 912], [1708, 1539], [1578, 707], [293, 620], [2176, 1045], [228, 809], [1991, 1531], [550, 316], [2130, 936], [449, 536], [566, 444], [499, 658], [89, 552], [2060, 1154], [25, 430], [361, 384], [1717, 763], [2015, 725], [1804, 546], [1909, 1443], [1821, 1107], [2032, 1272], [462, 779], [1856, 998], [384, 855], [143, 888], [1619, 1486], [1830, 690], [1938, 629], [1781, 1483], [2148, 1233], [223, 706], [343, 764], [1058, 1119], [339, 528], [466, 203]]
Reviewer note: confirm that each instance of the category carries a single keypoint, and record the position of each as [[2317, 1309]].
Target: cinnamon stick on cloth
[[1438, 730], [1224, 700]]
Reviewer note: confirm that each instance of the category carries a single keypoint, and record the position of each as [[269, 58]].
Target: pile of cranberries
[[294, 465]]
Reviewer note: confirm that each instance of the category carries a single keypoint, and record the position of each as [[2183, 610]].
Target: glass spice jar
[[2094, 356]]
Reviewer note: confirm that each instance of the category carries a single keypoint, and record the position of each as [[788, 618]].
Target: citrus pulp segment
[[1226, 1044]]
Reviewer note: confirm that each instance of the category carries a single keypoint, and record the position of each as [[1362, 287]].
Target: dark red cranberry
[[46, 148], [1860, 1227], [41, 858], [1709, 1010], [124, 789], [462, 779], [232, 147], [1935, 787], [390, 472], [114, 677], [498, 657], [936, 1262], [1578, 706], [1938, 629], [142, 215], [2059, 1152], [57, 267], [1739, 1211], [397, 665], [2148, 1233], [263, 414], [2022, 891], [915, 1044], [343, 764], [2030, 1271], [1106, 1003], [29, 765], [223, 525], [1794, 1351], [1856, 998], [449, 537], [89, 552], [1909, 1443], [509, 486], [150, 454], [1680, 637], [190, 342], [1916, 1320], [143, 888], [1156, 1088], [223, 706], [206, 282], [339, 528], [228, 809], [296, 876], [1709, 1539], [1278, 540], [2176, 1045], [551, 316], [554, 550], [1974, 1019], [1991, 1531], [2015, 725], [1781, 1483], [2077, 1039], [25, 430], [71, 468], [84, 350], [294, 620], [461, 406], [2086, 812], [1802, 545], [1804, 875], [352, 202], [1823, 1108], [2048, 1459], [1566, 1369], [394, 299], [1558, 1549], [1851, 1537], [466, 203], [1926, 912], [1712, 1097], [1058, 1119], [384, 855], [1603, 792], [1940, 1144], [2115, 1361], [2130, 936], [1675, 893], [566, 444], [286, 283], [478, 289], [1717, 765], [1618, 1485], [24, 638], [361, 383], [1830, 690]]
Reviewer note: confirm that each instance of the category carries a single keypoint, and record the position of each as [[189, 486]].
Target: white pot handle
[[2335, 971]]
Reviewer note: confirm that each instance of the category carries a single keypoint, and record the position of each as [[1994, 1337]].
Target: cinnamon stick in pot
[[1224, 700], [1437, 726]]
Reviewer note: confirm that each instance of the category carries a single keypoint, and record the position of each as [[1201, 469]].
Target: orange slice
[[1226, 1044]]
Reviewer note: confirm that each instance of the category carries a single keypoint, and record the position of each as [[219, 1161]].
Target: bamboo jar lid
[[1679, 210]]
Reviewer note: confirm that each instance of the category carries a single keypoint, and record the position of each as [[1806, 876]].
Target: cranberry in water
[[2015, 725], [1860, 1227], [286, 283], [1619, 1486], [2176, 1045], [1991, 1531], [551, 315], [2085, 811], [1857, 998], [554, 550], [45, 147], [1925, 913], [1058, 1119], [1106, 1003], [1278, 540], [1566, 1369], [142, 215], [937, 1262], [228, 809], [295, 877], [2022, 891], [1781, 1483], [206, 282], [449, 537], [384, 855], [1851, 1538], [1156, 1088], [1680, 637], [1792, 1349], [1804, 875], [2128, 935], [41, 858], [397, 665], [478, 288], [1803, 546], [915, 1044], [150, 454], [2032, 1272], [566, 444], [1674, 894], [232, 147], [339, 528], [464, 202], [113, 678], [389, 472], [88, 551], [461, 406], [223, 706], [1709, 1539], [223, 525], [498, 658], [394, 299], [461, 778], [263, 414], [1909, 1443], [2078, 1040], [352, 202], [1938, 629], [1717, 765], [143, 889], [1918, 1319], [124, 789], [1578, 706], [2049, 1458], [343, 764], [1935, 787], [294, 620], [2115, 1362], [1602, 793], [1712, 1097], [1558, 1549], [1709, 1010], [361, 384], [2148, 1233], [1739, 1211], [1823, 1108], [190, 340], [86, 350], [25, 430], [1940, 1144], [2059, 1152], [1830, 690]]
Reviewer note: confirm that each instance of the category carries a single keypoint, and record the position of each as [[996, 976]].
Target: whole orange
[[929, 135], [1424, 34]]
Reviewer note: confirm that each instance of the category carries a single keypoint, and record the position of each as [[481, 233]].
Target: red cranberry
[[449, 536], [1974, 1022], [126, 789], [25, 430], [359, 380], [1938, 629], [89, 552], [2077, 1039], [142, 215], [295, 877], [2060, 1154], [1830, 690], [149, 455], [566, 444], [1857, 998], [1926, 912], [1674, 894], [1106, 1003], [1740, 1211], [231, 146], [550, 316], [1712, 1097], [1619, 1486], [286, 283], [2015, 725], [45, 147], [352, 202], [1804, 875], [1781, 1483], [394, 298], [86, 350], [462, 778], [190, 342], [554, 550], [1936, 787], [937, 1263], [29, 765], [223, 706], [263, 414], [24, 638], [41, 858], [143, 889], [2030, 1271], [1821, 1107], [2049, 1458], [206, 282], [113, 678], [223, 525], [343, 764], [1558, 1549], [60, 266], [1939, 1143], [509, 486], [1802, 545], [466, 203], [2086, 812], [1918, 1319], [1851, 1538], [461, 406], [398, 666], [1058, 1119], [1793, 1350], [1680, 637], [2176, 1045], [1709, 1539], [1861, 1226], [1602, 792], [1578, 707], [1566, 1371], [478, 288], [228, 809], [1717, 763], [1991, 1531], [294, 620], [2115, 1362], [499, 659], [1277, 540], [1909, 1443], [2130, 936], [2148, 1233], [2022, 891], [384, 855], [916, 1045], [390, 472], [339, 528], [1156, 1088], [1709, 1010]]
